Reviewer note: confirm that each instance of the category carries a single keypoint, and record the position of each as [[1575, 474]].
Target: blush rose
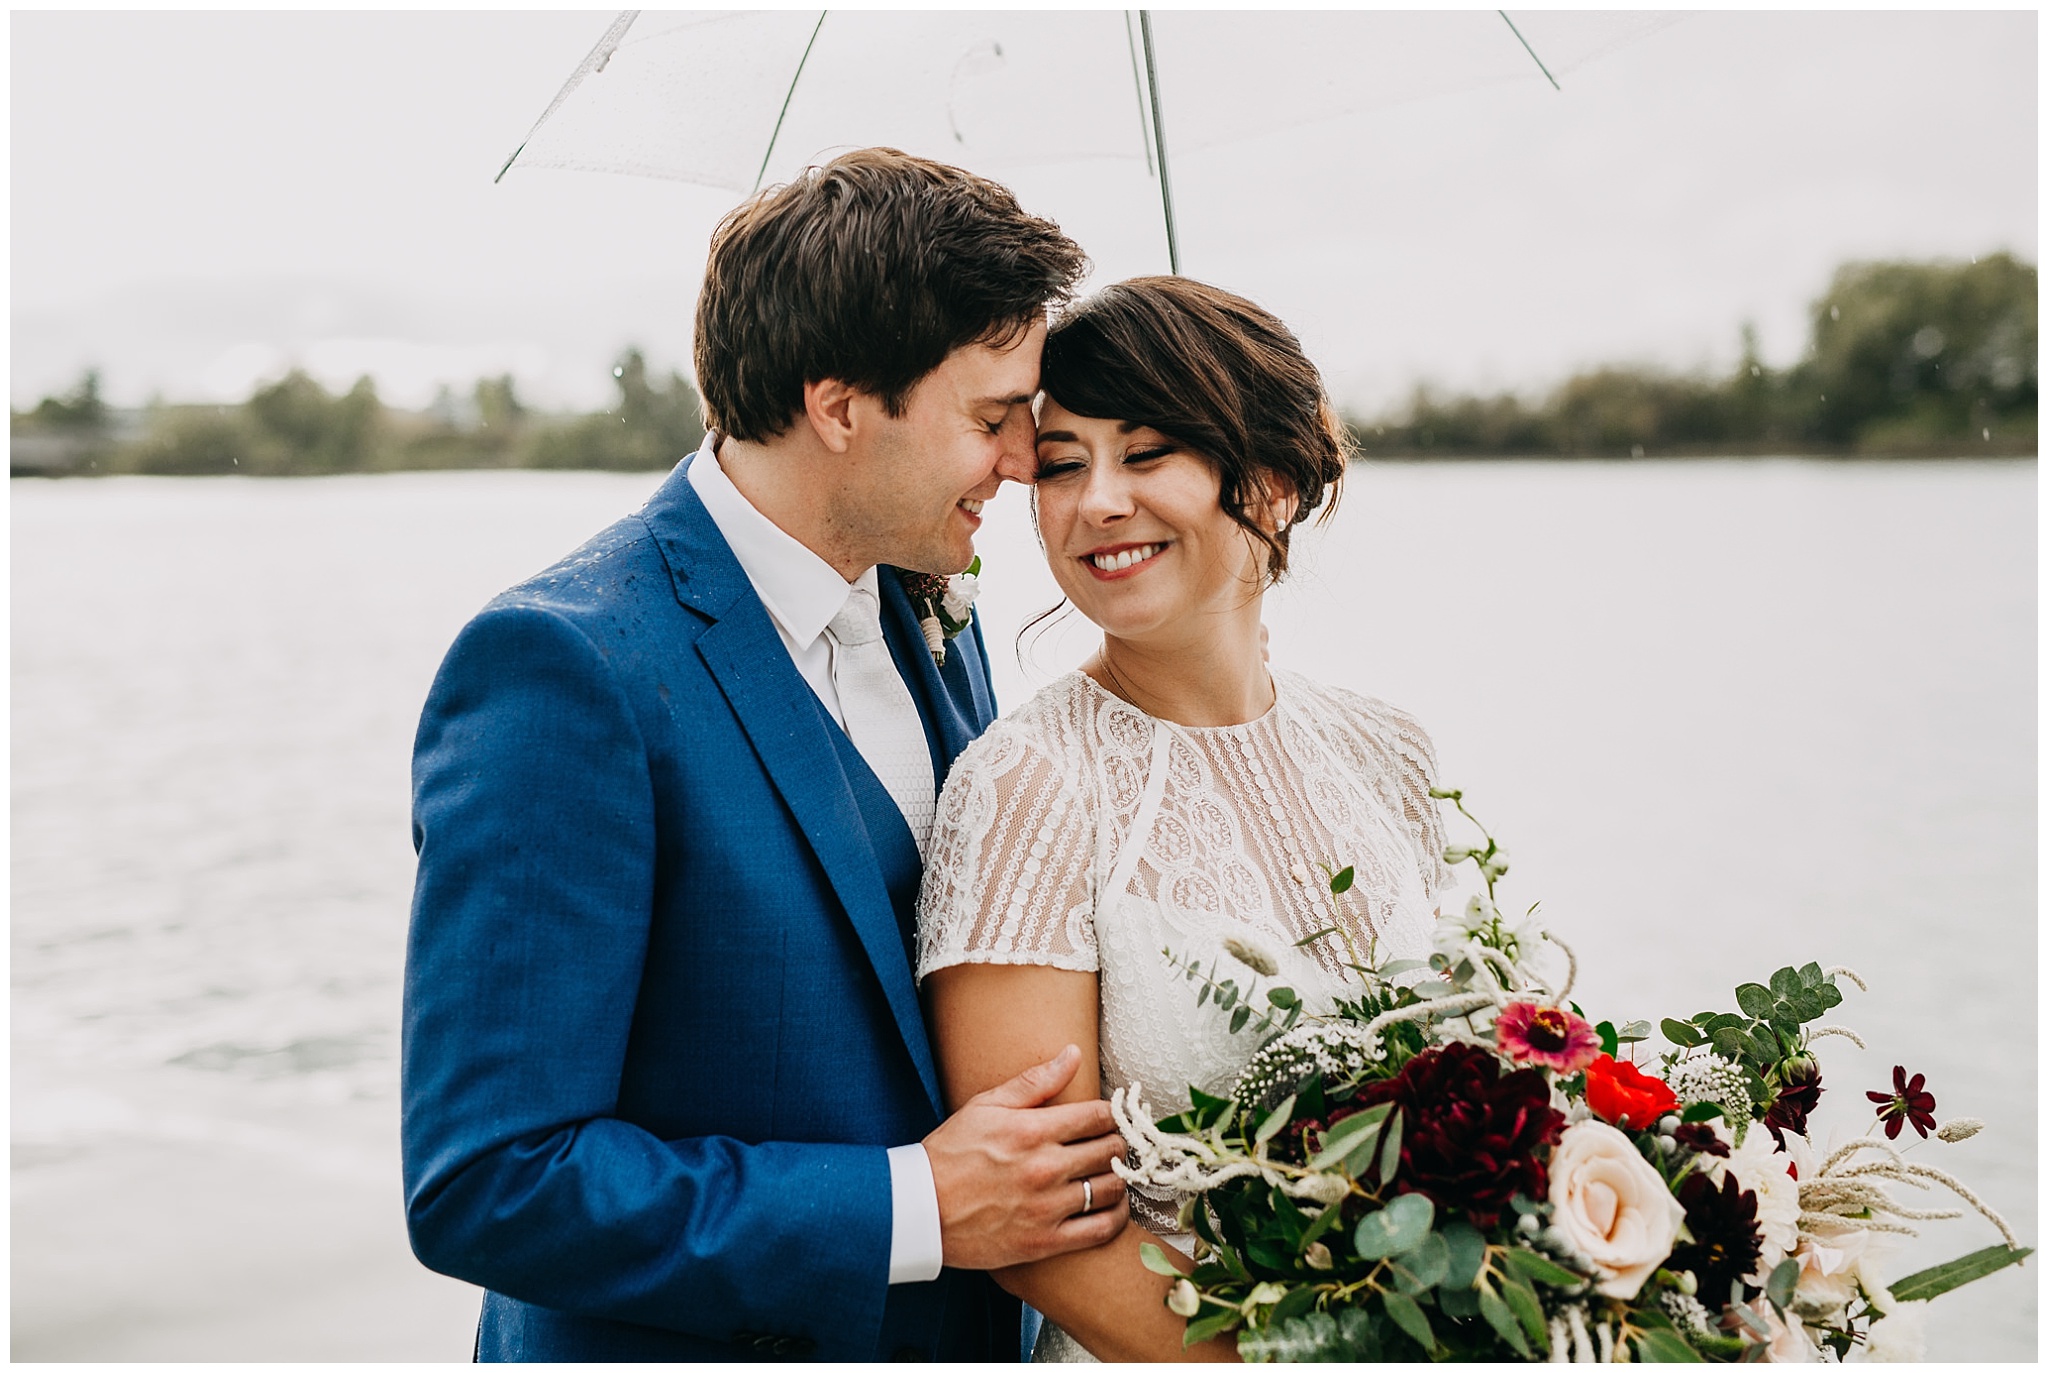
[[1612, 1206]]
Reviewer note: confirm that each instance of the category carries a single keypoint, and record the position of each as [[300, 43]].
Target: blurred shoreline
[[1930, 359]]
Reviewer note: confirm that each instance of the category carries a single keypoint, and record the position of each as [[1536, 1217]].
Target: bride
[[1172, 793]]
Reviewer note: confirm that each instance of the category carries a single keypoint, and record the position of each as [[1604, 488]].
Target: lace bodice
[[1081, 833]]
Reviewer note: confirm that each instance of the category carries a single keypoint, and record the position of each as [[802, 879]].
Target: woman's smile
[[1118, 561]]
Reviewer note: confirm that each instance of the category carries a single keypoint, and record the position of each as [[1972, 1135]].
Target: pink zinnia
[[1546, 1035]]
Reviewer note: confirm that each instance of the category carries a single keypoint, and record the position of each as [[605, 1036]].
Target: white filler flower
[[1612, 1206]]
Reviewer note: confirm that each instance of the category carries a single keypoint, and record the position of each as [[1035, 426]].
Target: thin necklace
[[1119, 689]]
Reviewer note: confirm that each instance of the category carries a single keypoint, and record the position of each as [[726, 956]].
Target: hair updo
[[1215, 372]]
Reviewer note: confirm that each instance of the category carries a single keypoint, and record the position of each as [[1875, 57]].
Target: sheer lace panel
[[1012, 849]]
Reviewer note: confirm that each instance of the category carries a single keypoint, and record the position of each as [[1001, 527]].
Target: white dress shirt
[[802, 592]]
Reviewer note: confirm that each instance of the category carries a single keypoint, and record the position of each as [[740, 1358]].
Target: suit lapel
[[947, 727], [789, 732]]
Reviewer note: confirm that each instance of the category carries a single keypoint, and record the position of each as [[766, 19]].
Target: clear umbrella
[[740, 99]]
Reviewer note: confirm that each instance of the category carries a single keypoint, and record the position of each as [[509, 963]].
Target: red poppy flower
[[1904, 1104], [1620, 1095]]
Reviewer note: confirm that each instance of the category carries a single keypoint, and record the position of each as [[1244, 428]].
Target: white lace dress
[[1081, 833]]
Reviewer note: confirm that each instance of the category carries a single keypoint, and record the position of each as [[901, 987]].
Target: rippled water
[[1727, 715]]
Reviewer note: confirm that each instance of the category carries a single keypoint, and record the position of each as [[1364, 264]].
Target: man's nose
[[1018, 461]]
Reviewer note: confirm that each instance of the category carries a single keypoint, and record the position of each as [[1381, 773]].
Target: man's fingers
[[1073, 1123], [1085, 1232], [1037, 1084]]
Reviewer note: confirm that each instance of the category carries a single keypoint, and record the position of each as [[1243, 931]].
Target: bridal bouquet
[[1457, 1164]]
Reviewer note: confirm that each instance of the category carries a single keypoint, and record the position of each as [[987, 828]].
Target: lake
[[1727, 715]]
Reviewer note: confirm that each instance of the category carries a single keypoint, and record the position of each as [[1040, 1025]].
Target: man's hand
[[1008, 1171]]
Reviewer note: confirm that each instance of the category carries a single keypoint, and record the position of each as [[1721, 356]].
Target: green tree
[[307, 430], [81, 409], [651, 426], [1923, 350]]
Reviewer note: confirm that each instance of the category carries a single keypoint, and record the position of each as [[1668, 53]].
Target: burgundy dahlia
[[1725, 1244], [1469, 1131], [1795, 1100]]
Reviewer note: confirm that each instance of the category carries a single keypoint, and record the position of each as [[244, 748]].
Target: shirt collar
[[800, 589]]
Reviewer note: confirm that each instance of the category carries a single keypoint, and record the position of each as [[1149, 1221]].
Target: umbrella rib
[[788, 96], [595, 62], [1159, 139], [1138, 86], [1531, 51]]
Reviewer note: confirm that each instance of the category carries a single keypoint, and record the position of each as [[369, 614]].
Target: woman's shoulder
[[1048, 731], [1379, 721]]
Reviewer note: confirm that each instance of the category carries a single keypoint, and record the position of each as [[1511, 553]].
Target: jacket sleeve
[[534, 821]]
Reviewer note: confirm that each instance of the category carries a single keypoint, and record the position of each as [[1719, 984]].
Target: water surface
[[1726, 715]]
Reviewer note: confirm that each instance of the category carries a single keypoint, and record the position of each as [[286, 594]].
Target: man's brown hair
[[1215, 372], [868, 270]]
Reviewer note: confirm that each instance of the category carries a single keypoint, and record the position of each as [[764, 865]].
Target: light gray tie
[[881, 718]]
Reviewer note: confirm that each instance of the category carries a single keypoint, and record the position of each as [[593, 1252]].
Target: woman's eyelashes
[[1061, 466]]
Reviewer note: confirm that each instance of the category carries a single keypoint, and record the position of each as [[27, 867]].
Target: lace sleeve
[[1009, 878]]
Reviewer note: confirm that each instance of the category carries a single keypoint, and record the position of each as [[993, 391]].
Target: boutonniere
[[944, 605]]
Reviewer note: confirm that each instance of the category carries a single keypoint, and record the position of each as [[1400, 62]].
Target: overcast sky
[[202, 200]]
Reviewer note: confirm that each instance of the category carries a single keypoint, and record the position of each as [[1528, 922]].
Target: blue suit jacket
[[660, 1020]]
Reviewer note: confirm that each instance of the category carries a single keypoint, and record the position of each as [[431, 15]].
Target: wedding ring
[[1087, 1196]]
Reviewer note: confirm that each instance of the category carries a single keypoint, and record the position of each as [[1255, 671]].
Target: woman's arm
[[990, 1021]]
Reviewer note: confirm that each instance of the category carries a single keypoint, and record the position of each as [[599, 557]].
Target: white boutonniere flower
[[944, 605]]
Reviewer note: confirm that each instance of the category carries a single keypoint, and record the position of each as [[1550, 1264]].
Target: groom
[[667, 1089]]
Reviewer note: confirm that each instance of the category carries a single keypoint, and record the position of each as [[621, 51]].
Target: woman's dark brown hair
[[1215, 372], [868, 270]]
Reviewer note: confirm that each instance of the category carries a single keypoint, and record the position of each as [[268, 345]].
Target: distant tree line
[[296, 427], [1903, 359]]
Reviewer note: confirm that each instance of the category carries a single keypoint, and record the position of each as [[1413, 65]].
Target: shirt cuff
[[916, 1252]]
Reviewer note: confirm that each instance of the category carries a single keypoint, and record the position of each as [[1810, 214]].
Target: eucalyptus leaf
[[1699, 1111], [1388, 1156], [1665, 1346], [1403, 965], [1406, 1314], [1729, 1043], [1778, 1286], [1946, 1277], [1284, 997], [1154, 1258], [1466, 1248], [1610, 1042], [1755, 999], [1296, 1303], [1681, 1034], [1238, 1018], [1426, 1266], [1202, 994], [1341, 882], [1323, 1224], [1830, 995], [1348, 1134], [1395, 1228], [1785, 981], [1208, 1327], [1765, 1044], [1275, 1121], [1459, 1303], [1635, 1032], [1496, 1314], [1521, 1299], [1533, 1267], [1324, 933]]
